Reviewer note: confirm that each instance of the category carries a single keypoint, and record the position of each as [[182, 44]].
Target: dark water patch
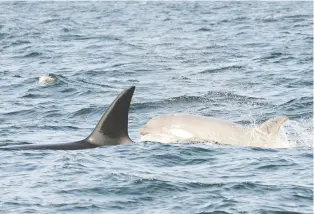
[[149, 186], [222, 69], [20, 42], [308, 155], [3, 35], [214, 212], [273, 55], [118, 65], [184, 78], [133, 81], [295, 20], [241, 18], [34, 96], [199, 161], [31, 55], [200, 185], [109, 38], [214, 46], [263, 150], [11, 142], [32, 34], [285, 59], [297, 103], [184, 99], [83, 37], [220, 7], [52, 127], [223, 21], [74, 37], [259, 44], [300, 25], [53, 114], [168, 159], [166, 44], [303, 193], [94, 83], [198, 150], [69, 90], [70, 207], [233, 96], [50, 20], [204, 29], [242, 186], [297, 83], [25, 112], [298, 16], [84, 112], [167, 102], [209, 97], [66, 30], [272, 211], [273, 167]]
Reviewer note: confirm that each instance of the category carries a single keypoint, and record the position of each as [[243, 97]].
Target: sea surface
[[63, 63]]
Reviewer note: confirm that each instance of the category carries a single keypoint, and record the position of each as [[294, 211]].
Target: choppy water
[[244, 62]]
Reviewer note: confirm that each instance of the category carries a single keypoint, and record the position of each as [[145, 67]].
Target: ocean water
[[243, 62]]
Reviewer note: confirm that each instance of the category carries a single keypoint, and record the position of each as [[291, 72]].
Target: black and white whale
[[112, 129]]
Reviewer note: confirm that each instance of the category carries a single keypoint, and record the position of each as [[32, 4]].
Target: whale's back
[[184, 127], [176, 128]]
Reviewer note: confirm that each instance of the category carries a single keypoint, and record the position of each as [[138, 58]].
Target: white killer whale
[[182, 128]]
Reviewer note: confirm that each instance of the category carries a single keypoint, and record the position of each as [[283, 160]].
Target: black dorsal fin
[[113, 126]]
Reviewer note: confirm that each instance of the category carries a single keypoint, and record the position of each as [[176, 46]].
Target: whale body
[[182, 128], [112, 129]]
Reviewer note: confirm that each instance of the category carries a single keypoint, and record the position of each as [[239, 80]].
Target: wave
[[32, 54], [204, 29], [222, 69], [209, 96]]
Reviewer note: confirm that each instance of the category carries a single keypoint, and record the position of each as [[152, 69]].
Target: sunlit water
[[63, 63]]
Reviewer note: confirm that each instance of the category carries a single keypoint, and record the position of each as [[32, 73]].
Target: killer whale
[[185, 128], [112, 128]]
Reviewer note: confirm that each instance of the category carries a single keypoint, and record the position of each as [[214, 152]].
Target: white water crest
[[298, 133]]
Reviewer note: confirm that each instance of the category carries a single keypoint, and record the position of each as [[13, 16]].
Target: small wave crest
[[271, 18]]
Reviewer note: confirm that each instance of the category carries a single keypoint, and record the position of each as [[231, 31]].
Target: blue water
[[244, 62]]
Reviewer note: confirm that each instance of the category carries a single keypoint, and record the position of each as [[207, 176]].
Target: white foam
[[299, 132]]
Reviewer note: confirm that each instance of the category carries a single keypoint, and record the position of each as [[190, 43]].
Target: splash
[[291, 134], [299, 133], [282, 139]]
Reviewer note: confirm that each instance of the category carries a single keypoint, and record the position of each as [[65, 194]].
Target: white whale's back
[[180, 128]]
